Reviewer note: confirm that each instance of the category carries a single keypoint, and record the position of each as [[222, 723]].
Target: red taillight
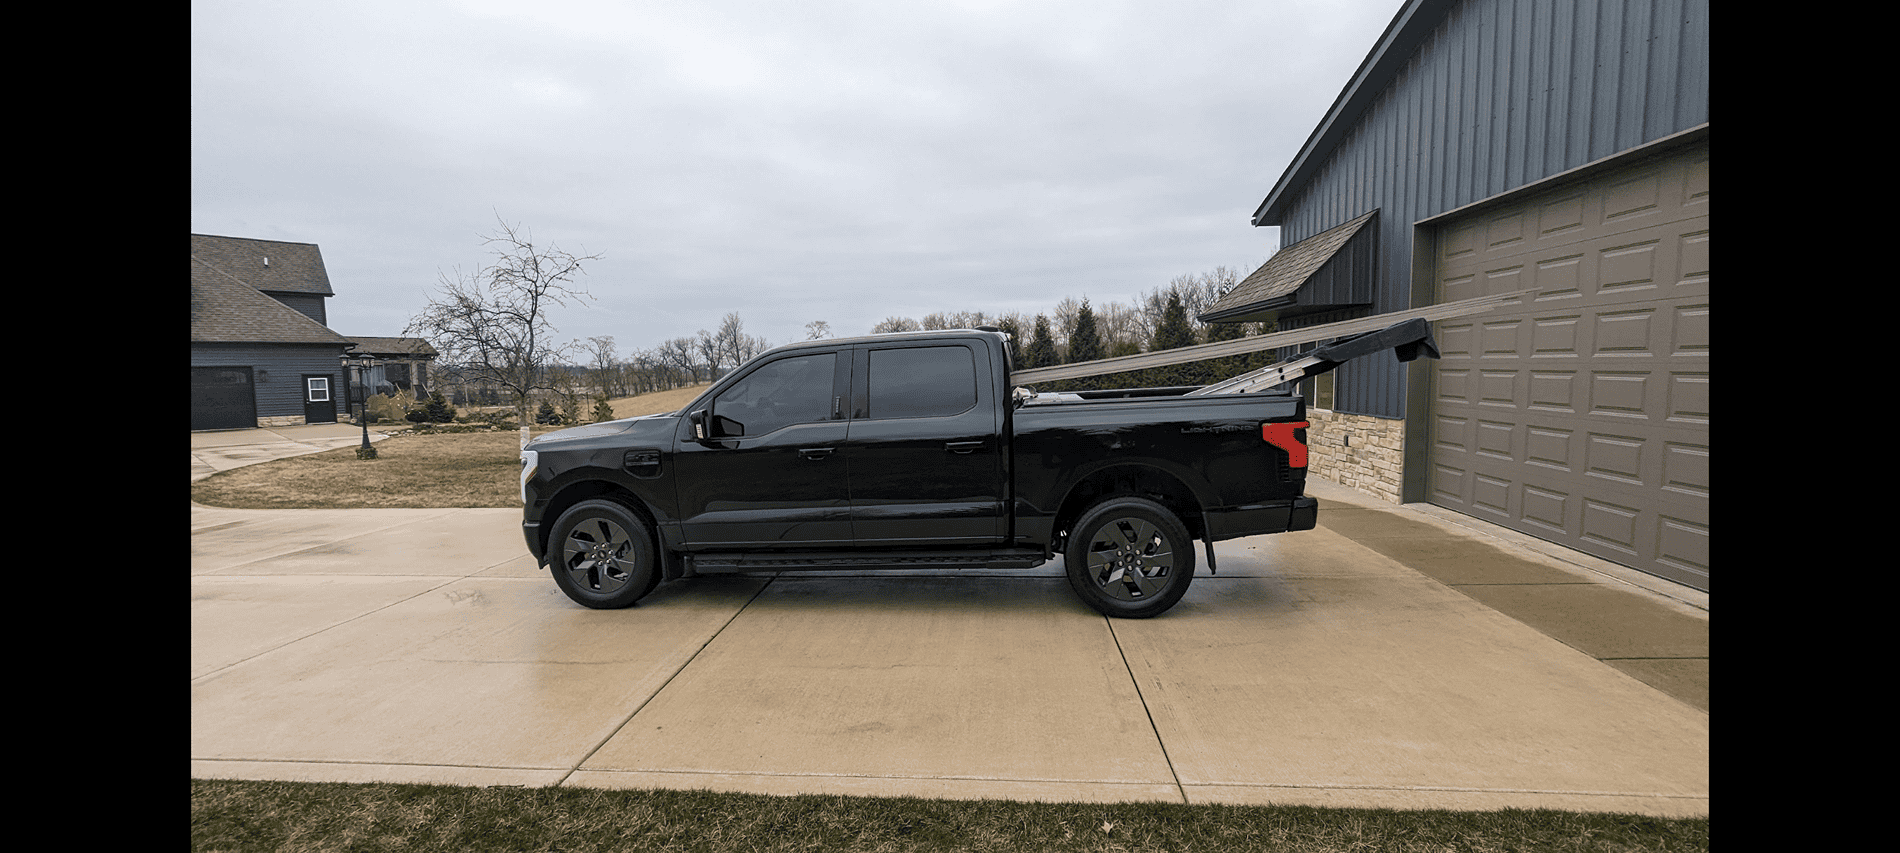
[[1281, 436]]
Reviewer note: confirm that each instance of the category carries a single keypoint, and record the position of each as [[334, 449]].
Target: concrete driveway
[[1316, 668], [223, 450]]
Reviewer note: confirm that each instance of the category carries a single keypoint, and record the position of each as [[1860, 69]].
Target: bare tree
[[817, 330], [677, 353], [955, 320], [707, 346], [601, 350], [493, 324], [896, 324]]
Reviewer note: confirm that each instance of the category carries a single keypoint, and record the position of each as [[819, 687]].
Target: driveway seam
[[327, 628], [663, 685], [1136, 681]]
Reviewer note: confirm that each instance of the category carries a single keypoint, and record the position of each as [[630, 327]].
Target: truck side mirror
[[711, 427]]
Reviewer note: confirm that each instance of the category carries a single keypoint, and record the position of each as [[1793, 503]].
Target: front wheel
[[1129, 557], [603, 555]]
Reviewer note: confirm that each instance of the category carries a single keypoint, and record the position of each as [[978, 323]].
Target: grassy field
[[301, 816], [418, 470]]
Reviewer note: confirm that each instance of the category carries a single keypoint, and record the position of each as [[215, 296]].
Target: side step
[[726, 562]]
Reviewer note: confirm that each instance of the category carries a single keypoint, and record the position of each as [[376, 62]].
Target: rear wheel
[[1129, 557], [602, 555]]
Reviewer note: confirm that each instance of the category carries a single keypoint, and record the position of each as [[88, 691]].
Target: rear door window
[[921, 382]]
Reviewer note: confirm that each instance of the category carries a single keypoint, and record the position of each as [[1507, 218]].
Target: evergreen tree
[[1173, 331], [1085, 342], [1218, 369], [1042, 347], [1008, 327]]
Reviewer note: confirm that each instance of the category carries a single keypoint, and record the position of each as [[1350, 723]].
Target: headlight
[[529, 461]]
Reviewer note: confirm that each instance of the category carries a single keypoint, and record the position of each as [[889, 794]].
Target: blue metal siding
[[278, 371], [1501, 94]]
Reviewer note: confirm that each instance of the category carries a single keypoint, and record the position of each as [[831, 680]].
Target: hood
[[643, 423]]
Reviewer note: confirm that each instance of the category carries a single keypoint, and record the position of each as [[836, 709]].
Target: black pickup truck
[[908, 451]]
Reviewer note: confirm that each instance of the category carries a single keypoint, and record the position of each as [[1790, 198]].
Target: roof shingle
[[1289, 268], [227, 309]]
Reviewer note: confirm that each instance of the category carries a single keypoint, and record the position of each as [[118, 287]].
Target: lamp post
[[362, 362]]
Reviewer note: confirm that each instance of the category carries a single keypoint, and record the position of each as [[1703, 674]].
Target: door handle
[[962, 446], [815, 452]]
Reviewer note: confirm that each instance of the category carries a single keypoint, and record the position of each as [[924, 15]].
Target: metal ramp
[[1408, 332], [1410, 338]]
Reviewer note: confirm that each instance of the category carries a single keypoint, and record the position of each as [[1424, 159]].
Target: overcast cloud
[[792, 161]]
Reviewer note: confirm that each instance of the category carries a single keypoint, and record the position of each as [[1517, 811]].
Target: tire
[[602, 555], [1129, 557]]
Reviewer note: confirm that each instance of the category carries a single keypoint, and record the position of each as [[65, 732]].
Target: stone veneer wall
[[285, 420], [1357, 451]]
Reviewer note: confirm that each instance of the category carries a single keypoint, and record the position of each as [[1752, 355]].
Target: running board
[[713, 563]]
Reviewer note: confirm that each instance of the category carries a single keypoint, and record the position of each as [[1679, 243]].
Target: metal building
[[1558, 147]]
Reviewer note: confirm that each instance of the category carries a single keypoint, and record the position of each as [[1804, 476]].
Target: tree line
[[494, 341], [1163, 318]]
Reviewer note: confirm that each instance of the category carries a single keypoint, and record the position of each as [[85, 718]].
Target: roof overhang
[[1279, 288]]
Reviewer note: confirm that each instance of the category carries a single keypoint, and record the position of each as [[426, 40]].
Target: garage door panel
[[222, 398], [1686, 469], [1581, 416], [1613, 526], [1688, 403], [1549, 511], [1454, 386], [1554, 391], [1683, 545], [1491, 495], [1552, 447]]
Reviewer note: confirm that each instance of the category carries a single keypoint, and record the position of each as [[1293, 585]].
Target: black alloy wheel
[[603, 555], [1129, 557]]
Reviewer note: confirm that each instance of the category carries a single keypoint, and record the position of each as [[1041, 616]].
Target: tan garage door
[[1583, 416]]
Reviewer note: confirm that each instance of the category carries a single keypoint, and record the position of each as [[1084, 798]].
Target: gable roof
[[225, 309], [272, 266]]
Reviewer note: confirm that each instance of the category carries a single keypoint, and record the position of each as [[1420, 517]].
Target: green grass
[[310, 816]]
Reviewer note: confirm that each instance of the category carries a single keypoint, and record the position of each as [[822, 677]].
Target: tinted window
[[788, 391], [921, 382]]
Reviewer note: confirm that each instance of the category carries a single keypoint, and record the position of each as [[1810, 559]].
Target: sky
[[790, 161]]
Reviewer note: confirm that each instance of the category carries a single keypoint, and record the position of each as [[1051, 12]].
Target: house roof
[[272, 266], [1401, 38], [225, 309], [393, 347], [1281, 276]]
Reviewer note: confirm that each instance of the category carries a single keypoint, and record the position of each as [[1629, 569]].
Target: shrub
[[546, 414], [603, 410], [385, 407], [438, 410]]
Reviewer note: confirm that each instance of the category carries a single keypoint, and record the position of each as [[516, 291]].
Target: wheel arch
[[582, 490], [1137, 480]]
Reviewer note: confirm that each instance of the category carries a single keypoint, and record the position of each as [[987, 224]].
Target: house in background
[[261, 352], [401, 364], [1489, 147]]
